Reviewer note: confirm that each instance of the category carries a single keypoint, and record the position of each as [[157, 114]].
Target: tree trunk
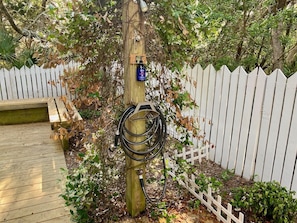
[[290, 59], [277, 48], [276, 33], [9, 18]]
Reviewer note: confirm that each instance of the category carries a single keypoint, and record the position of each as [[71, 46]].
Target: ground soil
[[179, 202]]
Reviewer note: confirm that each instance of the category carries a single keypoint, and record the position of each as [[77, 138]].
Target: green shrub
[[89, 113], [267, 201], [83, 186]]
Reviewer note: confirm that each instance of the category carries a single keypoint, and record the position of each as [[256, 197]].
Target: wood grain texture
[[30, 175]]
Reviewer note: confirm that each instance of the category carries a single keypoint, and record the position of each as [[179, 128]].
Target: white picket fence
[[212, 201], [34, 82], [249, 121]]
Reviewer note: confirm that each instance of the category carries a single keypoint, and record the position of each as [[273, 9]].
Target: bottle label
[[141, 73]]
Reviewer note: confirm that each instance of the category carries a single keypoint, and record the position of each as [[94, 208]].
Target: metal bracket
[[144, 113], [136, 58]]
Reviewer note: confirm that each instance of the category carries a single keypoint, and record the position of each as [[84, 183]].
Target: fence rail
[[250, 119]]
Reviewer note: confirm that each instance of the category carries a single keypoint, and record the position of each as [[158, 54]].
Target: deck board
[[30, 174]]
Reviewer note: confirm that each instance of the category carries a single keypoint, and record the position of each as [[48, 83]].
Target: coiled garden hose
[[151, 141]]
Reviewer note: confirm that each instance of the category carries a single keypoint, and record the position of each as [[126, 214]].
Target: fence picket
[[294, 181], [198, 94], [46, 82], [18, 83], [53, 81], [265, 123], [255, 126], [239, 108], [284, 130], [34, 82], [24, 82], [3, 87], [203, 102], [9, 77], [245, 127], [29, 83], [38, 91], [211, 72], [63, 90], [291, 153], [195, 113], [230, 117], [216, 113], [274, 126], [223, 113]]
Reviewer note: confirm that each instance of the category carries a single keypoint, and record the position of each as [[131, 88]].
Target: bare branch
[[292, 52], [43, 5], [24, 32], [9, 18]]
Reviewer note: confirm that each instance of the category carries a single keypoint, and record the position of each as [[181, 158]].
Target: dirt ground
[[179, 201]]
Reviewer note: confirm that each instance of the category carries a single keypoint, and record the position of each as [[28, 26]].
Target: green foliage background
[[228, 32]]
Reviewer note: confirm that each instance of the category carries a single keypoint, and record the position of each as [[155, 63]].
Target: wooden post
[[134, 93]]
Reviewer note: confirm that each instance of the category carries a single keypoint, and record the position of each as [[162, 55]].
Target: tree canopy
[[245, 32]]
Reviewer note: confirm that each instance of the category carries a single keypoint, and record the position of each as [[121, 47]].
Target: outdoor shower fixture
[[143, 6]]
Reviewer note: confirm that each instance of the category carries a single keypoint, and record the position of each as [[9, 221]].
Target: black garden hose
[[152, 140]]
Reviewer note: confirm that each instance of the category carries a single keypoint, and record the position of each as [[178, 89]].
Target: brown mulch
[[179, 202]]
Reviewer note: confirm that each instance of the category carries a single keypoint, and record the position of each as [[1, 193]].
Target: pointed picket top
[[3, 86], [281, 74], [2, 70], [34, 66], [198, 70], [293, 77], [260, 71], [187, 70], [240, 70], [209, 68], [273, 75], [224, 69], [254, 73], [186, 77], [24, 67], [197, 67]]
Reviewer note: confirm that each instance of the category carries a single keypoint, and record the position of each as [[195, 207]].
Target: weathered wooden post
[[133, 94]]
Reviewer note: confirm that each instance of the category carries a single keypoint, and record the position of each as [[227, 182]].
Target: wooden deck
[[30, 165]]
